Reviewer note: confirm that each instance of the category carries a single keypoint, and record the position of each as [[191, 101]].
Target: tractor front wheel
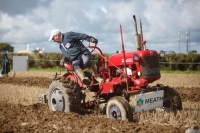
[[118, 109]]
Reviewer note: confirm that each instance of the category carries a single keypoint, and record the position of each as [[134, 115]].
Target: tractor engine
[[142, 66]]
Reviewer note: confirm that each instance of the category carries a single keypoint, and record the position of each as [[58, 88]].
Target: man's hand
[[62, 62], [67, 60], [94, 40]]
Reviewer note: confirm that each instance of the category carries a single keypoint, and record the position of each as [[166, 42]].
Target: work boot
[[85, 80], [93, 71]]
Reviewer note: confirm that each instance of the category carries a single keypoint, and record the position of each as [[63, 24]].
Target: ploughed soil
[[38, 118], [191, 94]]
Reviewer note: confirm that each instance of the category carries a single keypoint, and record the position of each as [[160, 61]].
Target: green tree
[[193, 52], [6, 47]]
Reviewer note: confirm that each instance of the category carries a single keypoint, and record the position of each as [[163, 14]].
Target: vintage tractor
[[125, 89]]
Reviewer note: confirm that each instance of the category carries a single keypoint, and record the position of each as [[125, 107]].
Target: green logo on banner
[[140, 102]]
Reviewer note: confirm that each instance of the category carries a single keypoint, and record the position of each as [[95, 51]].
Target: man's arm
[[77, 36], [81, 36]]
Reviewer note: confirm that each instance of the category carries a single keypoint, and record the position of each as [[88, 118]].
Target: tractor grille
[[150, 66]]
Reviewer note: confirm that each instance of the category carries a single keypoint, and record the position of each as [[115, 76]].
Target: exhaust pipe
[[143, 43], [137, 36]]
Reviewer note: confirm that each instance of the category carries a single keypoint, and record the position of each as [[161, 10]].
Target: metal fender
[[141, 82]]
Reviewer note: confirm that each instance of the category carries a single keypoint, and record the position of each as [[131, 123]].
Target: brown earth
[[191, 94], [38, 118]]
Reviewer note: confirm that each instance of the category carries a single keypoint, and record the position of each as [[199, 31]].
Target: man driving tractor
[[75, 52]]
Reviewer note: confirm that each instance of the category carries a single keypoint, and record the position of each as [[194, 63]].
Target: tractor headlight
[[162, 53], [135, 57], [139, 73]]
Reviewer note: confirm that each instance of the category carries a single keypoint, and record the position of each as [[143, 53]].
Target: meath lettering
[[152, 100]]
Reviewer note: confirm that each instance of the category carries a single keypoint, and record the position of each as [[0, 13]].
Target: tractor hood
[[118, 58]]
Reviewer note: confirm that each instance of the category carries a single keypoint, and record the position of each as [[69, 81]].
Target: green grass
[[165, 70], [168, 70], [55, 69], [180, 72], [162, 69]]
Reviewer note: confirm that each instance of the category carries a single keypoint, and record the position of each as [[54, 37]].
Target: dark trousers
[[82, 61]]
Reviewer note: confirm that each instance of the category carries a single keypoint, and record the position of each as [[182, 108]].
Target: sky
[[30, 22]]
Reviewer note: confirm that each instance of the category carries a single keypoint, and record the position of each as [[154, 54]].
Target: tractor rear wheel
[[63, 97], [118, 109], [172, 100]]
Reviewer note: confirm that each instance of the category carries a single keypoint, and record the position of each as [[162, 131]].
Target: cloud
[[31, 22], [20, 7], [103, 9]]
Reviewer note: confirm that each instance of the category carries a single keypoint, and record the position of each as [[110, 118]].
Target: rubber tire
[[174, 98], [121, 105], [129, 111], [70, 98]]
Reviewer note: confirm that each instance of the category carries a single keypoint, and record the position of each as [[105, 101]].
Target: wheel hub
[[167, 104], [57, 100], [115, 113]]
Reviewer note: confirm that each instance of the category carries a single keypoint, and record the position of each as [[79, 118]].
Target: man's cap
[[53, 33]]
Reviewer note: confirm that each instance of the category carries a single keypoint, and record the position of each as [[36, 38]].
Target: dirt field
[[20, 112]]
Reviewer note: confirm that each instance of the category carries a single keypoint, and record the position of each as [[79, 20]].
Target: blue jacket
[[5, 64], [72, 46]]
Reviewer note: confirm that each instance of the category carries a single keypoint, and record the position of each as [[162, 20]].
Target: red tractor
[[125, 89]]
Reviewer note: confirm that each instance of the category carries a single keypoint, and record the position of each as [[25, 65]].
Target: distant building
[[169, 52], [23, 52]]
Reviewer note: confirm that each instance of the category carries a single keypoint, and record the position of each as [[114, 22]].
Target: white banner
[[149, 101]]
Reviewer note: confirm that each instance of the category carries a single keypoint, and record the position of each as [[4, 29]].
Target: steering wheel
[[90, 48]]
